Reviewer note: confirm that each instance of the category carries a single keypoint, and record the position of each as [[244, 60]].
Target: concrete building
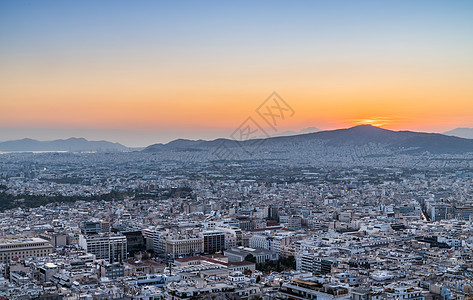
[[56, 239], [294, 223], [112, 271], [23, 247], [272, 243], [148, 236], [139, 267], [306, 288], [179, 245], [259, 241], [95, 227], [104, 246], [239, 253], [442, 212], [214, 241], [310, 262]]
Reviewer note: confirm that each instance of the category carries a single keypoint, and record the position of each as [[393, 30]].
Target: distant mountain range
[[466, 133], [362, 135], [300, 143], [71, 144]]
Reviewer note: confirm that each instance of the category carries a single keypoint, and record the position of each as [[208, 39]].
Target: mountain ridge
[[463, 132], [354, 136], [72, 144], [344, 137]]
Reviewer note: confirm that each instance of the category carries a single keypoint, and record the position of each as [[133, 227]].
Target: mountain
[[303, 131], [383, 140], [466, 133], [71, 144]]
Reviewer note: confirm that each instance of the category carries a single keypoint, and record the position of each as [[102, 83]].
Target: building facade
[[23, 247], [214, 241], [109, 247]]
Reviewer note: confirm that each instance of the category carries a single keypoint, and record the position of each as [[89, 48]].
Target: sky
[[141, 72]]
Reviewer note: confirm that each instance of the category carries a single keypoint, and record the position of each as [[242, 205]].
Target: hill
[[362, 135], [71, 144], [466, 133]]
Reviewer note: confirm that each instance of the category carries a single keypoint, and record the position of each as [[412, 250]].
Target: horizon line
[[280, 134]]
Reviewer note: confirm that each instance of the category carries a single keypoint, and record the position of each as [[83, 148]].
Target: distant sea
[[26, 151]]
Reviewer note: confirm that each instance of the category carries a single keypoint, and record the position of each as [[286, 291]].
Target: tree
[[251, 258], [280, 265]]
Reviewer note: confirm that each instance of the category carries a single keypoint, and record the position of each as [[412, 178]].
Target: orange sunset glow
[[190, 72]]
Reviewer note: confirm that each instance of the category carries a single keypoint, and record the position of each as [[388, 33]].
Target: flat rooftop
[[17, 241]]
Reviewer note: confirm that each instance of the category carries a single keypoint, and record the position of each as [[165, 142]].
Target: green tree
[[251, 258]]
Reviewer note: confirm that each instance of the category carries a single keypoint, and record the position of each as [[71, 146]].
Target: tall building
[[442, 212], [23, 247], [310, 262], [294, 222], [214, 241], [273, 213], [159, 243], [233, 236], [105, 246], [272, 243], [148, 235], [134, 240]]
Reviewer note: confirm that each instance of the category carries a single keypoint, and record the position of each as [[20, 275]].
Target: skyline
[[163, 71]]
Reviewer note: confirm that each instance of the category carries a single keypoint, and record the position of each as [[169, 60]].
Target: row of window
[[25, 252], [21, 245]]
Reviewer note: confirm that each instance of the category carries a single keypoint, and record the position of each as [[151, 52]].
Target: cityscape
[[251, 150], [141, 225]]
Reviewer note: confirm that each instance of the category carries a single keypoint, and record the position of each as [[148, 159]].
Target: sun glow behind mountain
[[375, 121]]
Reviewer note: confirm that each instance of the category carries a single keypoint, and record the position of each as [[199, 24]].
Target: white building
[[105, 246]]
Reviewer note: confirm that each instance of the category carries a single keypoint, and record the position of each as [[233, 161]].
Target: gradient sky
[[140, 72]]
